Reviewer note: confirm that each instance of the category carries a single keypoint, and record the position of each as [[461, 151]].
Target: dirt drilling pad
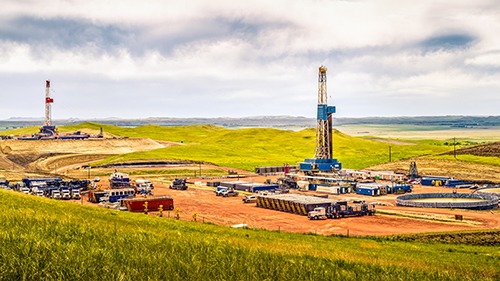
[[206, 207]]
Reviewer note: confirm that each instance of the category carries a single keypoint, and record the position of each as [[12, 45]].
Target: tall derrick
[[324, 144], [323, 158]]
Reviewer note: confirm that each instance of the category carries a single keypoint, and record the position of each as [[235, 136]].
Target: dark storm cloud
[[63, 33], [68, 34], [448, 42]]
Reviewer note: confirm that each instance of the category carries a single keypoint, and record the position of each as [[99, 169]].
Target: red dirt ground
[[231, 210]]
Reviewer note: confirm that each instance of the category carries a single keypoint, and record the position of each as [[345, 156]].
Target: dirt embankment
[[49, 154], [449, 168], [490, 149]]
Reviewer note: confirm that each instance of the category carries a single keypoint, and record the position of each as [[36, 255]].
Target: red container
[[153, 203]]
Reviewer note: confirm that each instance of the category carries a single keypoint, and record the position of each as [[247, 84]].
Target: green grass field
[[252, 147], [42, 239], [249, 148]]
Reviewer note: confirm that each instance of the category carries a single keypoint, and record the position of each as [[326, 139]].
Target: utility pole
[[454, 148], [390, 153]]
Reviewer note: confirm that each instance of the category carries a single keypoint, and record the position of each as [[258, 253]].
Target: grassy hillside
[[42, 239], [248, 148]]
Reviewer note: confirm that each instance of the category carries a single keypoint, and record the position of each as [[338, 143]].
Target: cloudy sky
[[227, 58]]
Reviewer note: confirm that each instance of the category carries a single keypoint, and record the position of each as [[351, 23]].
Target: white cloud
[[259, 57]]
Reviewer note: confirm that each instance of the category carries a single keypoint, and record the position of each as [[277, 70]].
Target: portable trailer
[[400, 188], [454, 183], [293, 203], [231, 184], [97, 196], [80, 184], [255, 187], [115, 195], [368, 190], [433, 181], [152, 203], [119, 180], [48, 181]]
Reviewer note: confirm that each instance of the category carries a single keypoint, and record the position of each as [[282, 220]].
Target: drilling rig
[[323, 160], [48, 129]]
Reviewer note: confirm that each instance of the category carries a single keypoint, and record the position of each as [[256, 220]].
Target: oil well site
[[315, 195]]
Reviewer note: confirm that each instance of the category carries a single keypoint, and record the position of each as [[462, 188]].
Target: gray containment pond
[[490, 190], [475, 201]]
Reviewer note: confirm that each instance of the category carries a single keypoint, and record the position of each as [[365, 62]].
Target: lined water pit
[[449, 200], [490, 190]]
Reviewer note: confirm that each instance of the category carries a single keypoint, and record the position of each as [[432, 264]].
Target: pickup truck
[[229, 192], [219, 189], [249, 199]]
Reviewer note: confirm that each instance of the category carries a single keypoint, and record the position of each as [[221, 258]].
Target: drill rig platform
[[323, 160]]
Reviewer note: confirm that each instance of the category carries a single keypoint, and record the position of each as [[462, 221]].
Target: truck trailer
[[341, 209]]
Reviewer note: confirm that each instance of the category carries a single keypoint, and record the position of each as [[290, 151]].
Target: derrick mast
[[323, 160], [48, 102], [324, 148], [48, 129]]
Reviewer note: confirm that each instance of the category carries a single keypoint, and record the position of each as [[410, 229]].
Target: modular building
[[368, 190], [333, 189], [231, 184]]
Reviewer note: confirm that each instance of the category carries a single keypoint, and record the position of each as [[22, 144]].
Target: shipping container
[[152, 203]]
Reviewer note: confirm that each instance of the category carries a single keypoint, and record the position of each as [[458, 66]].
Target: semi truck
[[65, 193], [38, 191], [55, 194], [4, 183], [341, 209], [144, 187], [75, 194]]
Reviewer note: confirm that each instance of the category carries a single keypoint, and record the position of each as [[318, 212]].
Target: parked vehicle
[[65, 194], [341, 209], [229, 193], [4, 183], [219, 189], [55, 194], [97, 196], [249, 199], [75, 194], [179, 184], [38, 192], [143, 184], [25, 190]]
